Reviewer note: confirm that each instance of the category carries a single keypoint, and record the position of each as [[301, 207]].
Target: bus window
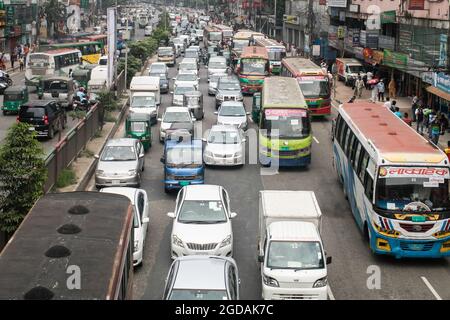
[[349, 146], [355, 156], [342, 135], [363, 166], [368, 186], [348, 134]]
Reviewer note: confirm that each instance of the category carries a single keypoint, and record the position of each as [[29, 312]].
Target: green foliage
[[66, 178], [55, 12], [78, 114], [143, 49], [107, 100], [134, 65], [22, 175]]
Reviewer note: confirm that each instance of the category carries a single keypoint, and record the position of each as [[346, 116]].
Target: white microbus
[[52, 62], [396, 181]]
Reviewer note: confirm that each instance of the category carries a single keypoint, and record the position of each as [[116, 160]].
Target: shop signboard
[[385, 42], [443, 82], [416, 5], [429, 77], [394, 59], [363, 38], [337, 3], [443, 51], [332, 36], [387, 17], [372, 39], [405, 37]]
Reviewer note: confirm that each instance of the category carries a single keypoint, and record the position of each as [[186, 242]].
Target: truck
[[348, 70], [146, 84], [292, 259]]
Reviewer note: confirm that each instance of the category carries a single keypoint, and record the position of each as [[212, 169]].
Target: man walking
[[435, 129], [381, 89], [359, 85], [415, 102], [392, 88]]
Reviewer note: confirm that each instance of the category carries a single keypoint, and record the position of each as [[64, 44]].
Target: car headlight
[[226, 241], [208, 153], [177, 241], [322, 282], [238, 154], [219, 97], [136, 245], [99, 172], [132, 172], [269, 281]]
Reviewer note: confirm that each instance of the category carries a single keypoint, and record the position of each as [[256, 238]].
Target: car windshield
[[215, 77], [202, 211], [186, 77], [191, 54], [295, 255], [224, 137], [138, 126], [184, 156], [229, 85], [142, 102], [176, 116], [196, 294], [135, 218], [253, 66], [32, 112], [58, 85], [215, 36], [165, 52], [315, 88], [157, 69], [232, 111], [182, 90], [286, 124], [188, 66], [356, 69], [12, 96], [118, 153], [217, 65], [413, 189]]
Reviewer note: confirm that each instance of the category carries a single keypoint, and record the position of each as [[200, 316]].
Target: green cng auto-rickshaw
[[13, 98], [138, 126], [256, 107]]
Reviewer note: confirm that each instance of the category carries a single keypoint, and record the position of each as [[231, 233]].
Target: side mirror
[[247, 113], [244, 140], [216, 112], [159, 119], [162, 160], [329, 260], [204, 139], [233, 215], [97, 156], [141, 155], [171, 92], [171, 215], [145, 220], [260, 258]]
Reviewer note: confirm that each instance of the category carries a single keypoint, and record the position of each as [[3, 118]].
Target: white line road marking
[[315, 139], [330, 293], [428, 284]]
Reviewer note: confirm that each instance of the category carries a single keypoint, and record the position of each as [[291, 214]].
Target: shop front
[[440, 93]]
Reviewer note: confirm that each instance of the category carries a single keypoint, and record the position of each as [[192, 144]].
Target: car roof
[[177, 109], [158, 64], [229, 79], [37, 103], [221, 58], [189, 60], [224, 127], [121, 142], [186, 72], [197, 272], [202, 192], [130, 193], [232, 103]]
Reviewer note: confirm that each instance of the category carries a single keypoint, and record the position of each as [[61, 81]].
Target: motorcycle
[[6, 78], [81, 104], [3, 86]]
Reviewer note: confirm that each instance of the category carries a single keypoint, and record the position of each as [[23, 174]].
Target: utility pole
[[126, 58], [275, 21], [310, 25]]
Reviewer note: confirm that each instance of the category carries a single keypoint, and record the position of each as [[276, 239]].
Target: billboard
[[112, 43]]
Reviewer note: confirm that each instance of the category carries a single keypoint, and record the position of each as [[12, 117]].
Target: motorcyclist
[[81, 94]]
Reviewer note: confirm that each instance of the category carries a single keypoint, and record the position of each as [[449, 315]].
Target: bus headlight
[[441, 234], [385, 232], [322, 282]]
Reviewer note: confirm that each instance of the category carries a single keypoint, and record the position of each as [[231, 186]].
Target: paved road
[[400, 279]]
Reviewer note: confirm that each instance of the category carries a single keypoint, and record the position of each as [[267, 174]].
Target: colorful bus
[[285, 128], [51, 63], [396, 181], [243, 38], [253, 68], [91, 51], [276, 52], [313, 81], [212, 36], [71, 246]]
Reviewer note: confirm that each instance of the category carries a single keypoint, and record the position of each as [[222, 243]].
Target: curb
[[84, 181]]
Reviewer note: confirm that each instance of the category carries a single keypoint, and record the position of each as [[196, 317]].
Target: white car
[[202, 222], [232, 113], [217, 64], [224, 146], [179, 91], [189, 64], [139, 201], [186, 78], [174, 115], [212, 82]]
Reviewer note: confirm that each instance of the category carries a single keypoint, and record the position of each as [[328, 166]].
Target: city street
[[352, 262]]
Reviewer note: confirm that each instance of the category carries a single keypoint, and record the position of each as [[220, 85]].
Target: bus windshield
[[413, 189], [253, 66], [315, 88], [240, 44], [286, 124], [215, 36], [276, 55]]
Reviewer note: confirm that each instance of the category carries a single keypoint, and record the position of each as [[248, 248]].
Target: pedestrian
[[381, 89], [359, 85], [398, 113], [21, 63], [70, 73], [13, 59], [374, 93], [419, 119], [388, 104], [369, 77], [426, 118], [393, 106], [407, 119], [431, 119], [435, 129], [414, 105], [392, 88]]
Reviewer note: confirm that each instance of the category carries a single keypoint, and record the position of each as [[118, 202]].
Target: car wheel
[[51, 132], [166, 190], [5, 112]]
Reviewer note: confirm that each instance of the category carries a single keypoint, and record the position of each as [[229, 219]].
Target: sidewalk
[[344, 93]]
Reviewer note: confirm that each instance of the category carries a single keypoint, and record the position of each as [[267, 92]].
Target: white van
[[290, 250], [100, 72], [144, 102], [103, 61], [146, 84], [148, 31], [189, 64]]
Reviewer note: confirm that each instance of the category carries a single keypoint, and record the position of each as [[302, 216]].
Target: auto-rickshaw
[[138, 126], [194, 101], [82, 76], [13, 98], [256, 107]]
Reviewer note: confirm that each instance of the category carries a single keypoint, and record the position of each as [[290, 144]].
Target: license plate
[[115, 182], [184, 183], [416, 247], [31, 128], [285, 148]]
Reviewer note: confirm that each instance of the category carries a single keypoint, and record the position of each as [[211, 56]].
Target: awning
[[439, 92]]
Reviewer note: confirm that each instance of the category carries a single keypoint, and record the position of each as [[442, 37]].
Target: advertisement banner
[[386, 42], [363, 38], [388, 17], [337, 3], [112, 42], [416, 5], [443, 51], [394, 59], [443, 82], [372, 39]]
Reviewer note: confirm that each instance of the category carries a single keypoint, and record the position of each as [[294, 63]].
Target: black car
[[228, 88], [46, 117], [163, 81]]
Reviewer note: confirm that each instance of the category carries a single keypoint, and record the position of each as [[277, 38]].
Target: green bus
[[91, 51], [284, 124]]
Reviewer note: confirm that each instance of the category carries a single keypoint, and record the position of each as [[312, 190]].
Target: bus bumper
[[406, 248], [251, 89], [322, 111], [285, 162]]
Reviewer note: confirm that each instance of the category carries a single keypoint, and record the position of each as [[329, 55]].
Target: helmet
[[81, 89]]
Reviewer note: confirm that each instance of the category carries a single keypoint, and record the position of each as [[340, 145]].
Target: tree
[[55, 12], [22, 175], [134, 65]]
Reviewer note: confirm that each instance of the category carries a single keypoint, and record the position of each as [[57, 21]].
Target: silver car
[[202, 278], [232, 113], [212, 82], [179, 91], [120, 164], [217, 64], [224, 146]]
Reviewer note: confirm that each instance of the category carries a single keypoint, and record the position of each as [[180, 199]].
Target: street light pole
[[275, 21], [126, 59]]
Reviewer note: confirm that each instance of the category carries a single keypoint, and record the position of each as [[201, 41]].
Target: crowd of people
[[18, 55]]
